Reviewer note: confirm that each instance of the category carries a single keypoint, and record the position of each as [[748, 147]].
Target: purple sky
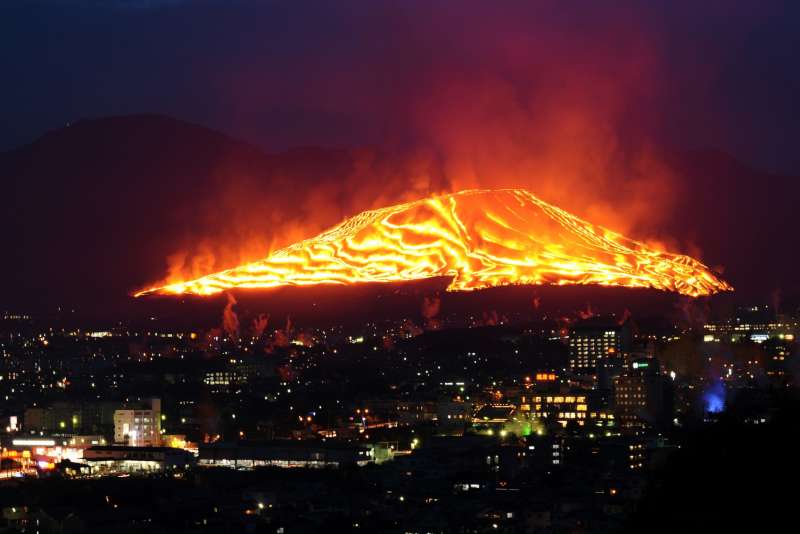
[[281, 74]]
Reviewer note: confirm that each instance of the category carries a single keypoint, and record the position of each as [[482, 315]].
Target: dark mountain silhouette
[[742, 219], [90, 212]]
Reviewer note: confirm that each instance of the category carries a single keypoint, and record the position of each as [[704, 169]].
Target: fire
[[480, 238]]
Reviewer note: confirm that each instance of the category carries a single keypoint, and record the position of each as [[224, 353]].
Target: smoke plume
[[430, 310], [502, 98], [281, 337], [259, 325], [230, 321], [587, 313]]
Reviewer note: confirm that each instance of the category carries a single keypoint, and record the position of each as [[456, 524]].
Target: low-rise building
[[126, 459], [284, 453]]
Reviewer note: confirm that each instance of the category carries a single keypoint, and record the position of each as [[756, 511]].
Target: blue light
[[714, 397]]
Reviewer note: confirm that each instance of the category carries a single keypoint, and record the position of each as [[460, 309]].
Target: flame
[[480, 238]]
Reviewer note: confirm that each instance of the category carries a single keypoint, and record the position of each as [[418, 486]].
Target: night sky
[[665, 120], [287, 73]]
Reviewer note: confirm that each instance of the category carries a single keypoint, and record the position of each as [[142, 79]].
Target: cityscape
[[514, 424], [402, 268]]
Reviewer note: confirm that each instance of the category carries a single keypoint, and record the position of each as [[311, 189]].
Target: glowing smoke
[[430, 309], [588, 313], [259, 325], [281, 337], [230, 321]]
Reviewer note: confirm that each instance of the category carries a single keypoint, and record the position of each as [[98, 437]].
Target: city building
[[641, 395], [70, 417], [284, 453], [494, 415], [545, 452], [754, 323], [236, 372], [139, 427], [563, 408], [452, 416], [595, 339], [125, 459]]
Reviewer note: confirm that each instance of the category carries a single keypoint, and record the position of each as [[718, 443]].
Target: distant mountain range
[[90, 212]]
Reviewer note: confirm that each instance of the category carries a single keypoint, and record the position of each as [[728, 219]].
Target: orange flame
[[480, 238]]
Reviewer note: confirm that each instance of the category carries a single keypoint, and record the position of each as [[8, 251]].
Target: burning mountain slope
[[480, 238]]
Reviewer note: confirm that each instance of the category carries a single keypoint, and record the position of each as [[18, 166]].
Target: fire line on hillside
[[480, 238]]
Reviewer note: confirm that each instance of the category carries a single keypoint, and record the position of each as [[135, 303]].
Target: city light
[[33, 442], [405, 267]]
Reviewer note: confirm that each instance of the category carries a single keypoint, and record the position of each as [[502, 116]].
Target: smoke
[[557, 103], [408, 329], [430, 309], [305, 338], [488, 319], [281, 337], [573, 101], [230, 321], [491, 318], [211, 340], [588, 313], [259, 325], [694, 312]]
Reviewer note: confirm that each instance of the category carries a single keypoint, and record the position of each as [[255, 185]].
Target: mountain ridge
[[129, 191]]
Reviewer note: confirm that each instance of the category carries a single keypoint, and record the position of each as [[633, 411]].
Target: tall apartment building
[[594, 340], [642, 395]]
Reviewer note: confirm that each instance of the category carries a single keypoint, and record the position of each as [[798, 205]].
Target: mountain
[[742, 219], [90, 212], [479, 238]]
